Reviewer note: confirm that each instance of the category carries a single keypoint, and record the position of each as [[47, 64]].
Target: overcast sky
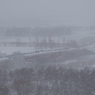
[[69, 12]]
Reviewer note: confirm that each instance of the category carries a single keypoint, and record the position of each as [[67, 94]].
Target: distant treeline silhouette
[[38, 31]]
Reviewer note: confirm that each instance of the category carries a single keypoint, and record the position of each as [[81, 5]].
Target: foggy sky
[[65, 12]]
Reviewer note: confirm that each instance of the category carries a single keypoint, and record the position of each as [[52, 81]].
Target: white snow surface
[[10, 50], [90, 47]]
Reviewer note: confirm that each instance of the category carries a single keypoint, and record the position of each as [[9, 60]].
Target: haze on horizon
[[48, 12]]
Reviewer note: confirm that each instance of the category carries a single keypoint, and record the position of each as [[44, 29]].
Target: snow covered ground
[[10, 50], [90, 47], [76, 35]]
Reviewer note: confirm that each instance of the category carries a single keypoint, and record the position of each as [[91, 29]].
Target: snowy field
[[77, 36], [90, 47], [10, 50]]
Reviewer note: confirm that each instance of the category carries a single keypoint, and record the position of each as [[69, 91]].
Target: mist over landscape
[[47, 47], [32, 13]]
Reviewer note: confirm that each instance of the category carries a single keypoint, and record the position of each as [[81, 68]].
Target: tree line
[[51, 80]]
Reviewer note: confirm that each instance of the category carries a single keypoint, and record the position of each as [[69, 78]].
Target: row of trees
[[51, 43], [38, 31], [49, 80]]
